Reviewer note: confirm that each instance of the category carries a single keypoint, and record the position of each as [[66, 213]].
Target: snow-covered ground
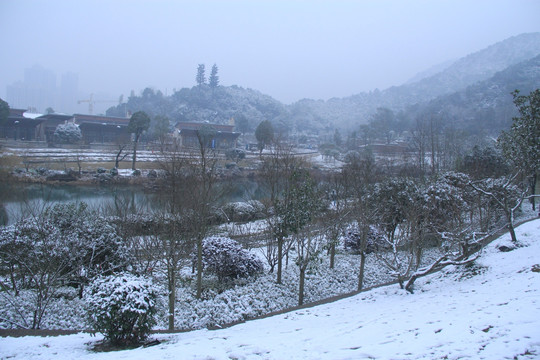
[[490, 310]]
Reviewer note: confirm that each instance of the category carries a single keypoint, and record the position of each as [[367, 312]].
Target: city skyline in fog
[[286, 49]]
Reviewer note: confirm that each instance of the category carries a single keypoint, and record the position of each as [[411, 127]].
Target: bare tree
[[123, 145]]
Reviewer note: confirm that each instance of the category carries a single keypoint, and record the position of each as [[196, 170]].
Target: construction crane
[[91, 103]]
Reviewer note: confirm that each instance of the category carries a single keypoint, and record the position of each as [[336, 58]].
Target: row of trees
[[307, 214], [399, 216], [213, 80]]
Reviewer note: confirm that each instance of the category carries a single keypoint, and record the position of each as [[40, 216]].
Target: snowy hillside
[[487, 311], [466, 71]]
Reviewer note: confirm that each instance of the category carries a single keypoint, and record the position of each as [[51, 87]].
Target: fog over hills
[[479, 66], [475, 86]]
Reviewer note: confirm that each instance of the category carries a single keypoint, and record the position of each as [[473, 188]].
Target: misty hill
[[486, 106], [477, 86], [479, 66], [201, 103]]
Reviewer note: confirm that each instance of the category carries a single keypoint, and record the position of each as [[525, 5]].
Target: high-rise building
[[38, 91]]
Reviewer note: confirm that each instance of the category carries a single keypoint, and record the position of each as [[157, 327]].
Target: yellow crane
[[91, 103]]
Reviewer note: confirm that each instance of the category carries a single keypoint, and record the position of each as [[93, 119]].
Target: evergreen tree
[[4, 111], [520, 144], [214, 78], [264, 134], [201, 77], [139, 123]]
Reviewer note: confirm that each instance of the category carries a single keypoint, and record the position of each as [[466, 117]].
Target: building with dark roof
[[48, 125], [102, 129], [222, 136], [20, 125]]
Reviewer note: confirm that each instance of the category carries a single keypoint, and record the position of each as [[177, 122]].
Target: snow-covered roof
[[31, 115]]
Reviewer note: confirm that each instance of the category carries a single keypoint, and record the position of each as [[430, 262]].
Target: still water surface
[[22, 200]]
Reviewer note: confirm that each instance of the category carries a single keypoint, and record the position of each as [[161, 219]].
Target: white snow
[[488, 311]]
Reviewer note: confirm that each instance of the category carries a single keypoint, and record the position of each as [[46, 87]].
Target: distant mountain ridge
[[480, 82], [466, 71], [486, 106]]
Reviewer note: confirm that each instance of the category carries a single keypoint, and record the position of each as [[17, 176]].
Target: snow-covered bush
[[34, 256], [94, 245], [353, 239], [67, 133], [122, 308], [243, 211], [226, 258]]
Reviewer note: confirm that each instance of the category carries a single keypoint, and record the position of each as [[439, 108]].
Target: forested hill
[[479, 66], [486, 106], [475, 89], [202, 103]]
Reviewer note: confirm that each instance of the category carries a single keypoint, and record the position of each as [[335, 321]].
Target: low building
[[102, 129], [21, 125], [48, 125], [221, 136]]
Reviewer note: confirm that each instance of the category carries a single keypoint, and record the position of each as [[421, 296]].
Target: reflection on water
[[19, 200]]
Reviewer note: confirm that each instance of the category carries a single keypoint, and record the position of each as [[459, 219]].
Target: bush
[[235, 154], [226, 258], [122, 308], [353, 239], [67, 133], [243, 211]]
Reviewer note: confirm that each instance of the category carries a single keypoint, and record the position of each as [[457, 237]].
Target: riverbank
[[34, 162]]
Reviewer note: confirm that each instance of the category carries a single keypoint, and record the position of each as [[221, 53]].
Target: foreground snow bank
[[490, 310]]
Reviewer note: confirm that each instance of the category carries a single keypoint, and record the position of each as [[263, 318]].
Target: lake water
[[22, 200]]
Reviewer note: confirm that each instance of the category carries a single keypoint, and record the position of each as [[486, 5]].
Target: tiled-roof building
[[20, 125], [222, 136]]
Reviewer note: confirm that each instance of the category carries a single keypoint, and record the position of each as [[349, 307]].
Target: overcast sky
[[287, 49]]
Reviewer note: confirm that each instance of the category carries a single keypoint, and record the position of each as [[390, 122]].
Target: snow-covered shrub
[[226, 258], [243, 211], [122, 308], [353, 239], [94, 244], [66, 244], [67, 133], [33, 256]]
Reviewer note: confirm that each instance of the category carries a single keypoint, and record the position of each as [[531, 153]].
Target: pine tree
[[201, 77], [214, 78]]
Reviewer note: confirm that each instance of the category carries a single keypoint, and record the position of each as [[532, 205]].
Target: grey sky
[[287, 49]]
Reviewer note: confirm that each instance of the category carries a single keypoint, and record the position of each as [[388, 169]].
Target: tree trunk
[[172, 296], [533, 191], [361, 273], [280, 260], [400, 281], [301, 285], [134, 154], [418, 256], [332, 255], [199, 268], [512, 232]]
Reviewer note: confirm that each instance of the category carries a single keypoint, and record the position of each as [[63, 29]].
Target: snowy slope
[[488, 311]]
